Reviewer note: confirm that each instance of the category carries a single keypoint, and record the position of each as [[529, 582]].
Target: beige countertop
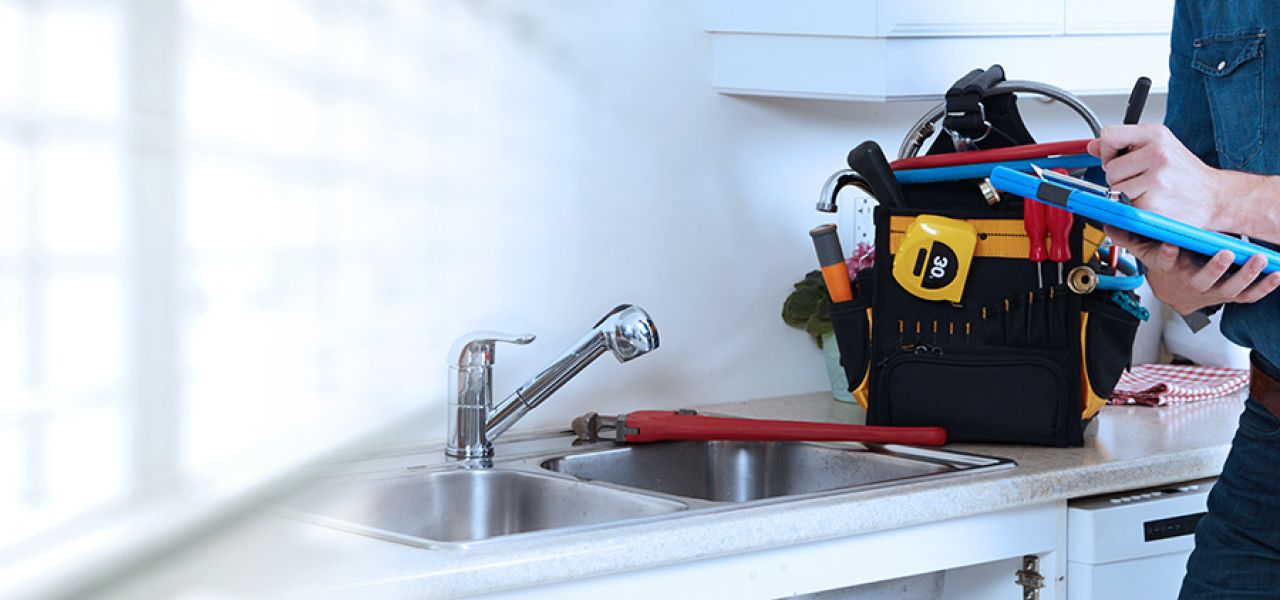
[[1126, 447]]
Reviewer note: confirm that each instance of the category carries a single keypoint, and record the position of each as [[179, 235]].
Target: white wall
[[612, 172]]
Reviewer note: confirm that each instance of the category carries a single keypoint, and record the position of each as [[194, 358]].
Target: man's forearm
[[1249, 205]]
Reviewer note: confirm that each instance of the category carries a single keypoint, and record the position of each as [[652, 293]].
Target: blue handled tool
[[1058, 192], [981, 170]]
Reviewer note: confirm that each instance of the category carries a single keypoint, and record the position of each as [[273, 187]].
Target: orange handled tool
[[668, 425], [831, 258], [1033, 221]]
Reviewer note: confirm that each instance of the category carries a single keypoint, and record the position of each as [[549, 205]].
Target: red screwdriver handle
[[1059, 221], [666, 425], [1033, 221]]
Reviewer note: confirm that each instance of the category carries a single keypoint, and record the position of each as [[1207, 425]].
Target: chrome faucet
[[474, 421], [835, 183]]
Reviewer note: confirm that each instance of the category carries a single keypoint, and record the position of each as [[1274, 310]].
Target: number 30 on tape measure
[[933, 260]]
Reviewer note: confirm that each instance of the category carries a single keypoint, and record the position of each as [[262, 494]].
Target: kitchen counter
[[1127, 447]]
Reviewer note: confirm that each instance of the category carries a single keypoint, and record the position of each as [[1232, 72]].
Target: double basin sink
[[548, 484]]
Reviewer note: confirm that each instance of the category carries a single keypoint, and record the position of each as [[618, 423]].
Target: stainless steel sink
[[547, 482], [470, 505], [747, 471]]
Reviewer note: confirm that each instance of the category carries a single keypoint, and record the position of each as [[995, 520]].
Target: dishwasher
[[1133, 544]]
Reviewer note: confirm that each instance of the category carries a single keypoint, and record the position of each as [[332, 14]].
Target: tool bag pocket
[[1001, 365], [851, 322], [1107, 338], [983, 396]]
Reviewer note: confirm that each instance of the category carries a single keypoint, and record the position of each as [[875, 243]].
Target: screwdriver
[[1033, 220], [1059, 222]]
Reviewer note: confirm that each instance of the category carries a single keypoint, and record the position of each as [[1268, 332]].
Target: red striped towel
[[1158, 385]]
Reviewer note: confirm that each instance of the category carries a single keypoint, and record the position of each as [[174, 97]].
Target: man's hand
[[1160, 174], [1184, 281]]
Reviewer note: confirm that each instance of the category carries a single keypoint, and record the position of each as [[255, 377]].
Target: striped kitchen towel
[[1158, 385]]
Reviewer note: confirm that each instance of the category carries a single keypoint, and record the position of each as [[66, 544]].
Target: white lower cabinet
[[974, 557]]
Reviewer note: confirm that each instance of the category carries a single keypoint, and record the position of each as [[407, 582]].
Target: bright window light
[[11, 215], [237, 104], [79, 197], [13, 53], [285, 28], [79, 61], [13, 359], [84, 463], [231, 269], [85, 346]]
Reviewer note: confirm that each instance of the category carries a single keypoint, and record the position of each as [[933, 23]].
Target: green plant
[[807, 306]]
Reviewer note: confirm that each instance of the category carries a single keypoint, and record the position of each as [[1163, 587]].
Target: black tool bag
[[1012, 362]]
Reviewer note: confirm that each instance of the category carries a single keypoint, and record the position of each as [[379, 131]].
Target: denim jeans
[[1237, 552], [1224, 106]]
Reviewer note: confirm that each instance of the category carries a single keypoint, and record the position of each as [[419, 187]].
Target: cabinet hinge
[[1029, 578]]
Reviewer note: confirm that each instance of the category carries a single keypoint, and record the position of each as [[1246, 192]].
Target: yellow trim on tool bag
[[1090, 241], [863, 391], [1092, 402], [997, 238]]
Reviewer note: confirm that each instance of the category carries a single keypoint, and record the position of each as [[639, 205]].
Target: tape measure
[[933, 260]]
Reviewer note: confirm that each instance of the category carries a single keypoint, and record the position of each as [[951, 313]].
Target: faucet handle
[[475, 349]]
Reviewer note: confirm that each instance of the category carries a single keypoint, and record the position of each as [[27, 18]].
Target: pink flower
[[863, 257]]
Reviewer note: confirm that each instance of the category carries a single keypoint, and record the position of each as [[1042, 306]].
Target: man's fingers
[[1113, 140], [1207, 276], [1259, 290], [1140, 247], [1127, 167], [1134, 189], [1236, 284], [1125, 136], [1165, 258]]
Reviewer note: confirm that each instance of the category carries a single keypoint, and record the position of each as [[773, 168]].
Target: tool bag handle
[[966, 115], [925, 127]]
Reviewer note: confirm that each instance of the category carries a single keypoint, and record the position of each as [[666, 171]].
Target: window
[[220, 224], [62, 286]]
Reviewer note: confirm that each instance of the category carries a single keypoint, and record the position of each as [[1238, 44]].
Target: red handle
[[1059, 221], [1033, 220], [1024, 152], [665, 425]]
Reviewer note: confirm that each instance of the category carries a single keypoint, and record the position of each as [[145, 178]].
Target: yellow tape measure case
[[933, 259]]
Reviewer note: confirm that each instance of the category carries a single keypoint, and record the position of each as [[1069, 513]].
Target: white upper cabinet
[[934, 18], [878, 50]]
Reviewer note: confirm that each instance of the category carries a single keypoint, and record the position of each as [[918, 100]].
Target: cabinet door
[[939, 18], [800, 17], [1110, 16]]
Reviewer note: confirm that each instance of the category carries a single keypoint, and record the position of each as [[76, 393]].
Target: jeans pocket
[[1232, 66], [1258, 423]]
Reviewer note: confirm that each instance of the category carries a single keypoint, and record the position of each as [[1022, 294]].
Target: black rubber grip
[[827, 244], [869, 161], [1052, 193], [1137, 100]]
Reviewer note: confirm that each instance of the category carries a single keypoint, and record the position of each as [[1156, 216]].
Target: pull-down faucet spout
[[474, 421]]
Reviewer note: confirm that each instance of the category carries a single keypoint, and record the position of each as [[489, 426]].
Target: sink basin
[[746, 471], [469, 505]]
